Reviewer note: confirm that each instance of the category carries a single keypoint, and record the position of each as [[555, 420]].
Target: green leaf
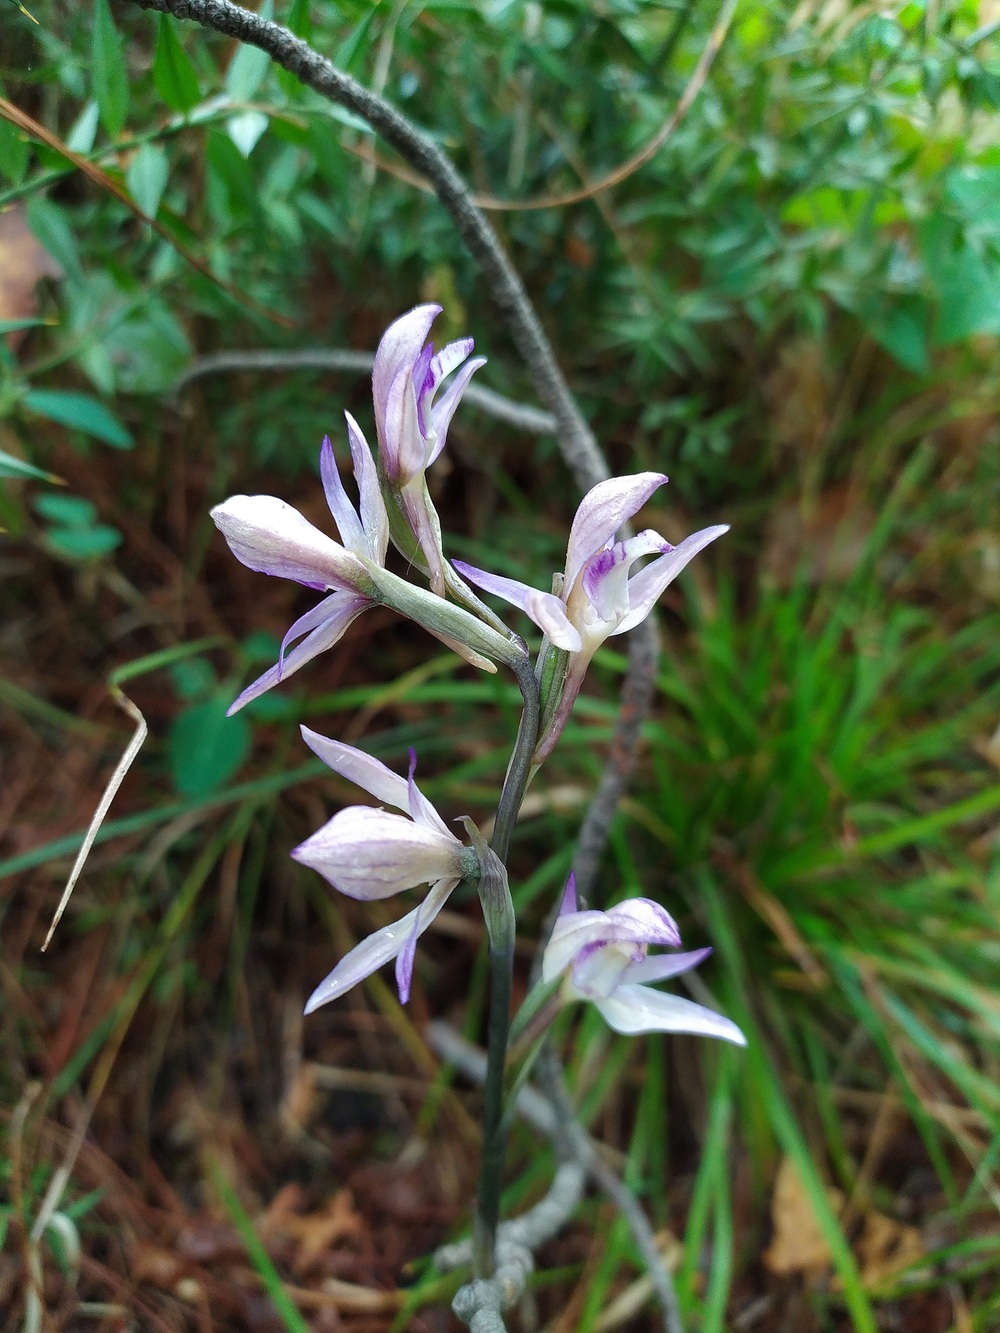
[[173, 72], [299, 19], [193, 678], [17, 467], [12, 325], [81, 412], [48, 221], [249, 65], [15, 152], [967, 282], [81, 137], [146, 177], [246, 129], [84, 543], [70, 511], [205, 748], [902, 329], [108, 68]]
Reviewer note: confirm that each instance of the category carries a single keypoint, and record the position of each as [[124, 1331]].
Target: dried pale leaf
[[115, 781], [320, 1231], [885, 1246], [799, 1245]]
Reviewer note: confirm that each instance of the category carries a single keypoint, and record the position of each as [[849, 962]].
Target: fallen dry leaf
[[24, 261], [315, 1232], [799, 1245], [885, 1246]]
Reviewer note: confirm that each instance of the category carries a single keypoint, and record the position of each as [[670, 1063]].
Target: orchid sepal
[[478, 642]]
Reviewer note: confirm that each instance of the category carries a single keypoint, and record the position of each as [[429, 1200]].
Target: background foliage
[[793, 308]]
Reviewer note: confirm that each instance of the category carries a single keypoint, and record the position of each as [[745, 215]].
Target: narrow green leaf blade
[[17, 467], [108, 69], [173, 72]]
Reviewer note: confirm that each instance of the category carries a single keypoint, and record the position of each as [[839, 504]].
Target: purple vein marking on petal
[[602, 512], [643, 919], [423, 387]]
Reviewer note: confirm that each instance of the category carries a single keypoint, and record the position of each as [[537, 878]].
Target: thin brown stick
[[491, 203], [94, 173]]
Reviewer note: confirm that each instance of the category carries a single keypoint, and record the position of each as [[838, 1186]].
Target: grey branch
[[519, 415], [555, 1117]]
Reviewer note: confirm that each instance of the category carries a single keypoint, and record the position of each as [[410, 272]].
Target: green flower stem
[[501, 985]]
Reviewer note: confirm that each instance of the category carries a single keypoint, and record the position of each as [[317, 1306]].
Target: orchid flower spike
[[602, 957], [599, 594], [268, 535], [370, 854], [411, 426]]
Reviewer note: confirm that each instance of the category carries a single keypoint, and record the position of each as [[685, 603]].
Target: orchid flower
[[602, 957], [371, 854], [268, 535], [411, 426], [598, 595]]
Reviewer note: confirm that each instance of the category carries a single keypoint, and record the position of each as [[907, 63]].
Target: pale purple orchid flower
[[602, 957], [412, 426], [370, 853], [268, 535], [599, 595]]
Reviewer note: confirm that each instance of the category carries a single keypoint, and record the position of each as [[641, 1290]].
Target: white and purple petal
[[397, 352], [422, 918], [602, 512], [643, 920], [379, 948], [663, 966], [364, 770], [374, 519], [371, 854], [646, 587], [444, 409], [420, 808], [271, 537], [332, 618], [571, 933], [605, 575], [599, 969], [546, 610], [349, 525], [633, 1009]]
